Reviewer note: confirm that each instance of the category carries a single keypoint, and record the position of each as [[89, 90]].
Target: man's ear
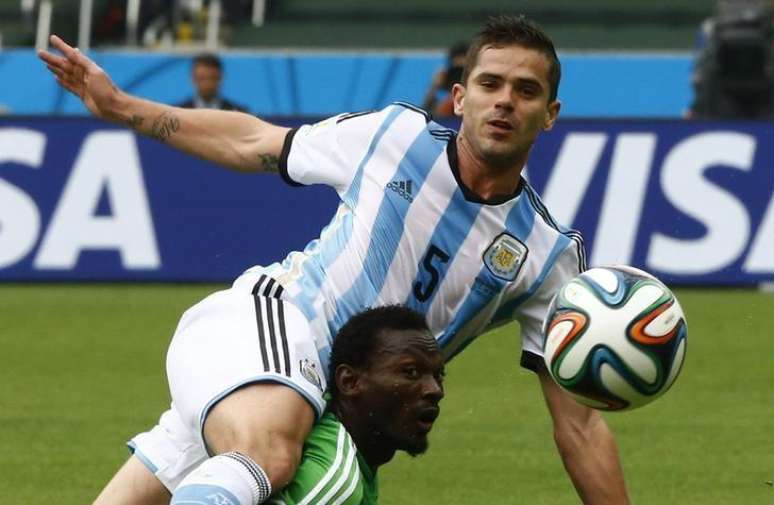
[[347, 381], [458, 97], [552, 112]]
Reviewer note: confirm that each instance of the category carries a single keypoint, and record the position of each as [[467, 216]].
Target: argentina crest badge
[[505, 256], [309, 372]]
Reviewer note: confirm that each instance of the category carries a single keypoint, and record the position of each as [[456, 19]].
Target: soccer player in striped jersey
[[386, 381], [437, 220]]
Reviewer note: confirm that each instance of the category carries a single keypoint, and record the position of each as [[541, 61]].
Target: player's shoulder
[[572, 238], [542, 212], [413, 110], [382, 117], [409, 123], [420, 116], [329, 467], [394, 129], [403, 112]]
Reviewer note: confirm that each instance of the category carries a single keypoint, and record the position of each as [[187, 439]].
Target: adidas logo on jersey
[[403, 188]]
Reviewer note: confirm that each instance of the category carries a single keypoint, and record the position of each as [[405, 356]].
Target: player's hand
[[82, 77]]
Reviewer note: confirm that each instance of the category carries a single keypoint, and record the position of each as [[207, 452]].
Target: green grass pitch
[[82, 370]]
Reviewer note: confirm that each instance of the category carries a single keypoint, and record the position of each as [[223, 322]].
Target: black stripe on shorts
[[272, 336], [283, 335], [266, 293], [261, 337]]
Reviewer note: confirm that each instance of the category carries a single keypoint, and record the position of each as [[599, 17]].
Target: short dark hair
[[507, 30], [208, 60], [356, 341]]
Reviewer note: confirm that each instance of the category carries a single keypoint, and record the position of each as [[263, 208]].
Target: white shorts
[[230, 339]]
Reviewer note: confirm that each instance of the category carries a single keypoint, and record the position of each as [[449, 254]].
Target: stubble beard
[[500, 159], [498, 156], [417, 447]]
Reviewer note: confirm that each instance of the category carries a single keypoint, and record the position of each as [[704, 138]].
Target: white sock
[[227, 479]]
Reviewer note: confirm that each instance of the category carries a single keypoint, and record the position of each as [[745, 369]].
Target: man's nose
[[505, 98], [433, 389]]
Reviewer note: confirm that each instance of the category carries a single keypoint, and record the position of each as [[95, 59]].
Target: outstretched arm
[[587, 447], [233, 139]]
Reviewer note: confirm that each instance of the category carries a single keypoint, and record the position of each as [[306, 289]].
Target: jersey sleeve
[[328, 473], [329, 152], [531, 314]]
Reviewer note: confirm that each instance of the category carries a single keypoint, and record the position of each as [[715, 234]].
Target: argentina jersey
[[407, 231]]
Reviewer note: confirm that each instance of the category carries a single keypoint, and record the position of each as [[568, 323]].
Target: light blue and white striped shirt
[[408, 231]]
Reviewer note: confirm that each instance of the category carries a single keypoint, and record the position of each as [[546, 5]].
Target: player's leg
[[256, 434], [267, 422], [134, 484], [243, 372]]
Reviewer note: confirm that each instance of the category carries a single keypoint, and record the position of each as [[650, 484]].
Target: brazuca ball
[[615, 338]]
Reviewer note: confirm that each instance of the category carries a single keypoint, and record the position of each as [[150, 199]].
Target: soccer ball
[[615, 338]]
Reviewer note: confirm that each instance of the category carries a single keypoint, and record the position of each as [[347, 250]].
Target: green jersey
[[331, 470]]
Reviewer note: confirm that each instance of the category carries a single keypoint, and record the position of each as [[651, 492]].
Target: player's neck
[[482, 178], [369, 443]]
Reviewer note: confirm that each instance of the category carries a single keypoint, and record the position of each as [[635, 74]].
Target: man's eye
[[411, 372], [530, 92]]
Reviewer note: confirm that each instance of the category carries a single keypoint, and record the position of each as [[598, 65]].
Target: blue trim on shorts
[[318, 408], [142, 457]]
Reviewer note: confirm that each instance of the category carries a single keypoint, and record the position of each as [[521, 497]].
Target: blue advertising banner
[[81, 199], [691, 202]]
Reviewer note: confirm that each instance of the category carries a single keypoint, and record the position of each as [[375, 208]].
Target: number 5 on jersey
[[435, 256]]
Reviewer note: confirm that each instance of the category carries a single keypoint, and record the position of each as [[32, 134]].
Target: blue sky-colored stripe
[[519, 222], [388, 229], [507, 309], [334, 244], [310, 280], [323, 255], [352, 194], [142, 457], [449, 234]]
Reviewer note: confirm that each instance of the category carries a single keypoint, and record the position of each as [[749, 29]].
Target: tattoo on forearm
[[164, 126], [135, 121], [269, 162]]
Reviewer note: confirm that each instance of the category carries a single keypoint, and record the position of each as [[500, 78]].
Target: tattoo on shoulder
[[269, 162], [164, 126], [136, 121]]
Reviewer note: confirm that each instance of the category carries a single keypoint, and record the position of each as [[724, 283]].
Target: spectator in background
[[438, 100], [733, 77], [207, 75]]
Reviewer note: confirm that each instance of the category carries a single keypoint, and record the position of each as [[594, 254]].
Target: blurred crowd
[[733, 76], [158, 22], [166, 21]]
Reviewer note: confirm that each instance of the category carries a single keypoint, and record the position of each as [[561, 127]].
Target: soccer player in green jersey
[[386, 374], [386, 382]]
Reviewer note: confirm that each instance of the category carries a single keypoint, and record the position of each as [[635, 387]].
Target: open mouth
[[427, 417], [500, 125]]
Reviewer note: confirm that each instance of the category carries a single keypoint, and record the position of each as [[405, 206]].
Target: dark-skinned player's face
[[402, 387]]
